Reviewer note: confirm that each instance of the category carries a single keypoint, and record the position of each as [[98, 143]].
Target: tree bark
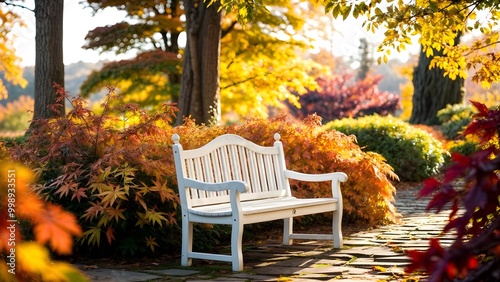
[[49, 64], [433, 91], [200, 92]]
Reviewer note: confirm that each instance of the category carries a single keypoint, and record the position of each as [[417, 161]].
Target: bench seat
[[291, 205]]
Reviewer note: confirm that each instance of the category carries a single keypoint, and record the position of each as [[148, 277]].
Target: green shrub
[[413, 153], [453, 128], [464, 147], [454, 111], [454, 118]]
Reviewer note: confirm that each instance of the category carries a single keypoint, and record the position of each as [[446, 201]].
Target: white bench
[[233, 181]]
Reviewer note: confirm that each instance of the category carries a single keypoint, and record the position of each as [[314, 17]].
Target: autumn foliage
[[51, 226], [9, 61], [109, 169], [475, 206], [15, 116], [368, 192], [115, 171], [340, 97]]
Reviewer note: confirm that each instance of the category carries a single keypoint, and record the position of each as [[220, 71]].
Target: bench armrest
[[339, 176], [235, 185], [334, 177]]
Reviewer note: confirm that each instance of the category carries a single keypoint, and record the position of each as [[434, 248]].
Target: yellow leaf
[[32, 257], [151, 243], [93, 235], [379, 268], [34, 261], [243, 12], [112, 194]]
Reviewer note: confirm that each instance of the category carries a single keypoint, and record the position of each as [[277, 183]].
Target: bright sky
[[78, 21]]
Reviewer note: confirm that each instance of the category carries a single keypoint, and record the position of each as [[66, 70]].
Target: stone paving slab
[[370, 255], [114, 275], [174, 272]]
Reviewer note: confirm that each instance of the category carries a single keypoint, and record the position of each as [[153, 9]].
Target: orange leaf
[[56, 226], [110, 234], [79, 194], [30, 206]]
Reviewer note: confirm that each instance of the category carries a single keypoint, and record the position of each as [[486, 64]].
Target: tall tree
[[433, 90], [49, 64], [200, 92], [365, 59], [9, 61], [437, 23]]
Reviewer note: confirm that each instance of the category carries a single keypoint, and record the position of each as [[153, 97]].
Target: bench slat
[[261, 206]]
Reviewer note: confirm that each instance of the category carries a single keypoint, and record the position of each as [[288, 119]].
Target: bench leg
[[236, 246], [287, 230], [338, 240], [187, 242]]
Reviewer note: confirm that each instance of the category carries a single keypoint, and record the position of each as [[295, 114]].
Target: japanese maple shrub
[[474, 254], [113, 170], [340, 96], [368, 192]]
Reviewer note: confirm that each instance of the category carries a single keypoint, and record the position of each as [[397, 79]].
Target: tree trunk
[[49, 64], [200, 92], [433, 91]]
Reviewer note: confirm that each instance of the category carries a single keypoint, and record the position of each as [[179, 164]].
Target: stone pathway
[[371, 255]]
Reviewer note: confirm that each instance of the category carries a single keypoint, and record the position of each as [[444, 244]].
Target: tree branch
[[229, 29], [16, 5]]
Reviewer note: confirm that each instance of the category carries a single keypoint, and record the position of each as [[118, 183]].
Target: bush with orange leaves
[[368, 192], [52, 226], [115, 171]]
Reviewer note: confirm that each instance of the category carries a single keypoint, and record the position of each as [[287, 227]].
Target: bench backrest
[[231, 157]]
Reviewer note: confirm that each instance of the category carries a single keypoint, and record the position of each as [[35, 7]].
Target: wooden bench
[[233, 181]]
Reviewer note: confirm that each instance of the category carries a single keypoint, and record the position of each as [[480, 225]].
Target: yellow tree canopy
[[260, 62], [9, 62], [434, 24]]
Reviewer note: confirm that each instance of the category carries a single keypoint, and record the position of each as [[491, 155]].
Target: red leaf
[[476, 198], [446, 194], [455, 171], [426, 260], [483, 110], [451, 270], [430, 185]]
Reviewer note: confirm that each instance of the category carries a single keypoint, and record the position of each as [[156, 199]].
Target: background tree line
[[257, 47]]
